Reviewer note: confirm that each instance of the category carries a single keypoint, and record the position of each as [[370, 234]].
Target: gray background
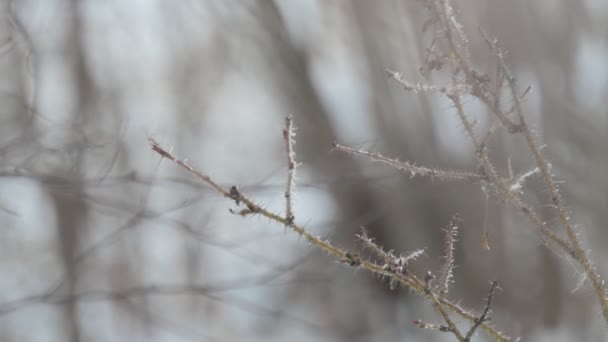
[[85, 205]]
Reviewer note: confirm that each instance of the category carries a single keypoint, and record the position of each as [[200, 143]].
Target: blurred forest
[[88, 211]]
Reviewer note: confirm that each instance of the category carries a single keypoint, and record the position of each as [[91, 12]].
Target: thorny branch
[[288, 137], [485, 314], [413, 170], [408, 279], [478, 85], [447, 275]]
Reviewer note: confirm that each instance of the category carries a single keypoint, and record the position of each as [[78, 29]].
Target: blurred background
[[87, 210]]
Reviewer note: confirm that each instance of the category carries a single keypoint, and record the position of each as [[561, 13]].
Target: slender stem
[[410, 280]]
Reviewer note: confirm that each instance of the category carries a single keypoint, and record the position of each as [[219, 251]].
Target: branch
[[288, 137], [484, 315], [575, 249], [447, 276], [416, 284], [413, 170]]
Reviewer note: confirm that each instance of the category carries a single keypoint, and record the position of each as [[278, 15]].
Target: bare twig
[[484, 315], [288, 137], [183, 163], [413, 170], [391, 262], [446, 275], [575, 248], [419, 87], [410, 280], [431, 326], [466, 79]]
